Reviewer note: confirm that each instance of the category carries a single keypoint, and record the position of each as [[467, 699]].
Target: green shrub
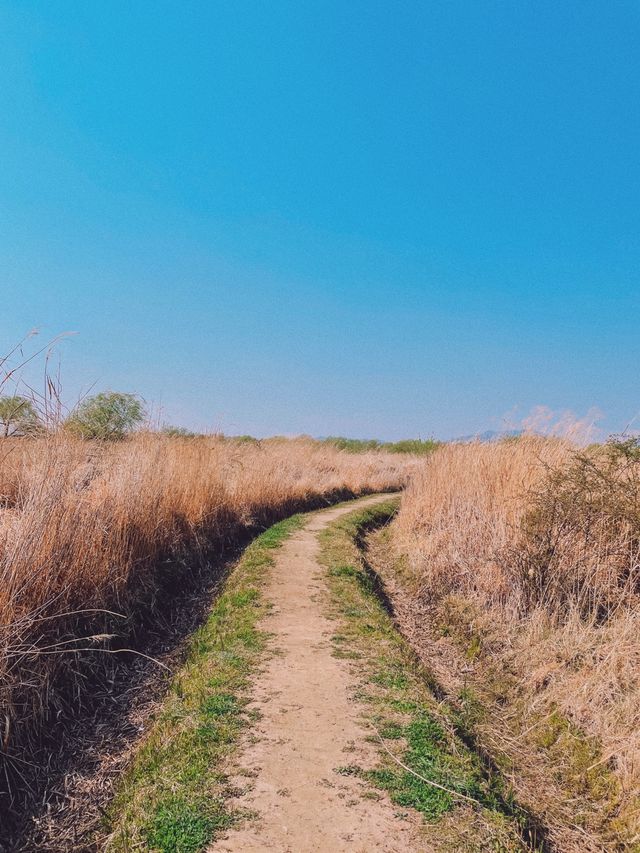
[[415, 446], [107, 416], [18, 416]]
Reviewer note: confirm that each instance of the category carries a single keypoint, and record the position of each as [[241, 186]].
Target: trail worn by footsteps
[[309, 726]]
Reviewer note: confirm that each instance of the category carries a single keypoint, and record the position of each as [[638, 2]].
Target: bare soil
[[310, 725]]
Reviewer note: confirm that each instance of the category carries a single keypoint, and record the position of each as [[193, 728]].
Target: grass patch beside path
[[405, 717], [174, 797]]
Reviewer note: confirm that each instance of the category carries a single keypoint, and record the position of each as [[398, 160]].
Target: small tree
[[18, 416], [108, 416]]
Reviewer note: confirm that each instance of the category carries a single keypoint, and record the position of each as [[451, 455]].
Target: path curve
[[309, 725]]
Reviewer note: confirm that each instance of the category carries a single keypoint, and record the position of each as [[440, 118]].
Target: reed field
[[522, 558], [94, 534], [514, 575]]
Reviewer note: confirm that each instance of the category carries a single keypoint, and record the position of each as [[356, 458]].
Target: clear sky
[[363, 218]]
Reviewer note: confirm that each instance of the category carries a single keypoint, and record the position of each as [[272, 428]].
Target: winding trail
[[309, 725]]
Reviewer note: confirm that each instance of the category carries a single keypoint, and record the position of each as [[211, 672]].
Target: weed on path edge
[[424, 763], [173, 798]]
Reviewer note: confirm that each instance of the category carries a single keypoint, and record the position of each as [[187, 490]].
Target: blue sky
[[364, 218]]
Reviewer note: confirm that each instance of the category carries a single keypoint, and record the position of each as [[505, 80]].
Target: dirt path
[[309, 725]]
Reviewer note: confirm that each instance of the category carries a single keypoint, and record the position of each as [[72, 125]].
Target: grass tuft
[[182, 826]]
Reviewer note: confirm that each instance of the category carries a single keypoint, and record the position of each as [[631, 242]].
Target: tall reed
[[542, 540], [94, 535]]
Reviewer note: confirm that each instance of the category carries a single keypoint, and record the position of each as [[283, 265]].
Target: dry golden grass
[[91, 526], [534, 545], [463, 508]]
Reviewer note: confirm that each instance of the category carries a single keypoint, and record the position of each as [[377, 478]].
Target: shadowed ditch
[[531, 827]]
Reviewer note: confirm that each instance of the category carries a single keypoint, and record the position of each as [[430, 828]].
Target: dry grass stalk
[[538, 544], [87, 528]]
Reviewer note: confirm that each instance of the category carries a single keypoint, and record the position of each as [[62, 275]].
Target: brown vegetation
[[93, 535], [516, 575], [523, 554]]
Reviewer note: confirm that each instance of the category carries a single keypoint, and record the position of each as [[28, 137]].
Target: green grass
[[396, 693], [416, 446], [578, 760], [174, 798]]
